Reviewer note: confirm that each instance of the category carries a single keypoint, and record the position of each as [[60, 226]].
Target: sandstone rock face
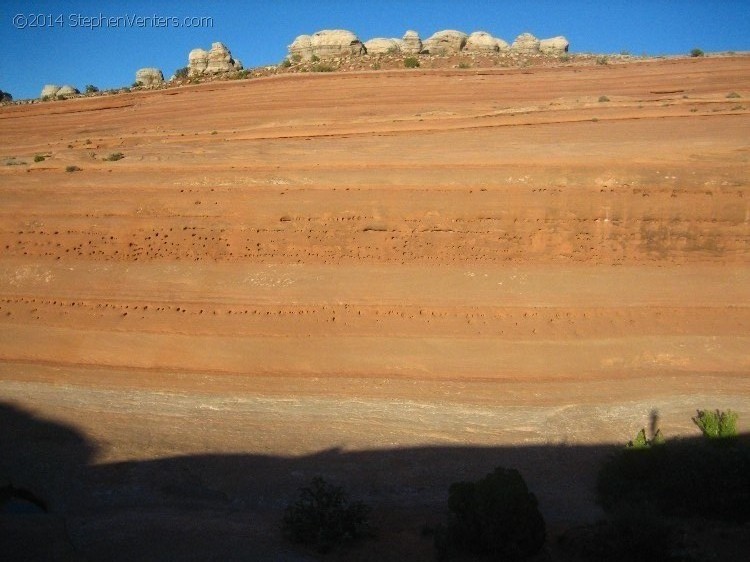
[[411, 44], [481, 42], [554, 46], [336, 43], [301, 47], [327, 43], [381, 46], [149, 77], [217, 60], [197, 62], [501, 45], [525, 44], [447, 42], [220, 60], [49, 91], [68, 91]]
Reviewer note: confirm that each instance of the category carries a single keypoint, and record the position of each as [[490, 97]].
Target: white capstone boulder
[[554, 46], [481, 42], [446, 42], [411, 44], [382, 46], [525, 44], [149, 77]]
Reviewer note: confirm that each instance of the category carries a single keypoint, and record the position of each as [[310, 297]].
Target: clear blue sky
[[257, 33]]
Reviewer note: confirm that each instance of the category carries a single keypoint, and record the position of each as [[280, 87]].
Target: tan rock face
[[336, 43], [215, 61], [554, 46], [445, 42], [381, 46], [327, 43], [149, 76], [49, 90], [525, 44], [481, 42], [411, 44], [52, 90], [301, 48]]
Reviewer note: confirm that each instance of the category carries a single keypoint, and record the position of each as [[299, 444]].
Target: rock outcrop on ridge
[[525, 44], [446, 42], [149, 77], [554, 46], [483, 42], [54, 91], [327, 43], [215, 61], [381, 46], [411, 44]]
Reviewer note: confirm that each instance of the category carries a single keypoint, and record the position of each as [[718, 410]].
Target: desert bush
[[464, 65], [411, 62], [315, 58], [716, 424], [181, 72], [643, 442], [39, 158], [603, 98], [696, 53], [495, 516], [296, 57], [324, 517], [602, 60], [72, 169], [733, 95], [91, 89], [286, 63], [114, 157], [323, 67]]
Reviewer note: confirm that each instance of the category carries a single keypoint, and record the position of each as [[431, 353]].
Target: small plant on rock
[[324, 517]]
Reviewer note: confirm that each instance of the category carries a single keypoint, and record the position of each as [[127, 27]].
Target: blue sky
[[65, 49]]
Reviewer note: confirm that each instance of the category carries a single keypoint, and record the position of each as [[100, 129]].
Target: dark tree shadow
[[228, 507]]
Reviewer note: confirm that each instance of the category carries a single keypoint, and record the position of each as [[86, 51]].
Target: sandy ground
[[396, 279]]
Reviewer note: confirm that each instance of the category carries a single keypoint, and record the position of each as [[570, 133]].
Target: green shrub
[[91, 89], [323, 67], [286, 63], [324, 517], [603, 98], [315, 58], [602, 60], [642, 442], [679, 478], [696, 53], [114, 157], [411, 62], [716, 424], [733, 95], [181, 72], [39, 158], [137, 84], [464, 65], [296, 57], [72, 169], [495, 516]]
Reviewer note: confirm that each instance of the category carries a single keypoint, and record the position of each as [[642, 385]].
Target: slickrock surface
[[395, 279]]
